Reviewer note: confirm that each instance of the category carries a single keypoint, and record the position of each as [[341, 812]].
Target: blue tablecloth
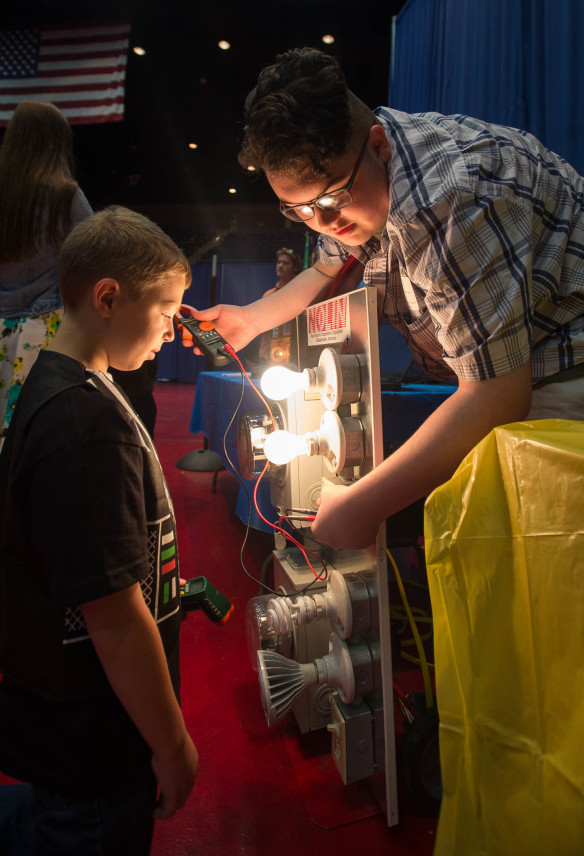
[[217, 395]]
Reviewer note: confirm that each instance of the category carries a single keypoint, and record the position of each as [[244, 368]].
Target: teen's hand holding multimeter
[[238, 325], [213, 328]]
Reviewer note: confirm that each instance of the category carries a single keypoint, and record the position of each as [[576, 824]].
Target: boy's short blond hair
[[120, 244]]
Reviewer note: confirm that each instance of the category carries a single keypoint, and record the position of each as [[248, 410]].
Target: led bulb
[[278, 382], [281, 447]]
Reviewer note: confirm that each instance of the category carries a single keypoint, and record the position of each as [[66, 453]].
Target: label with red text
[[329, 322]]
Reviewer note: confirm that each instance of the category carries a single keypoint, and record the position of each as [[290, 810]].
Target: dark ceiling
[[186, 89]]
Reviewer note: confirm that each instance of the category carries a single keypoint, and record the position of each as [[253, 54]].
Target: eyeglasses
[[330, 201]]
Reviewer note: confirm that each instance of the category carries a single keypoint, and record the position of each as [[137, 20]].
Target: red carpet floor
[[260, 790]]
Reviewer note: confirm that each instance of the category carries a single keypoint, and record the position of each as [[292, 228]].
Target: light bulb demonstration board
[[347, 324]]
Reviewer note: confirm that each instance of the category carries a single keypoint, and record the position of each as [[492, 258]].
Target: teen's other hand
[[338, 522]]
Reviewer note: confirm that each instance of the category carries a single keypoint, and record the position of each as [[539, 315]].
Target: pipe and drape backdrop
[[512, 62]]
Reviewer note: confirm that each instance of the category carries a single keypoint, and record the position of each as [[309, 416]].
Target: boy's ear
[[106, 292], [380, 142]]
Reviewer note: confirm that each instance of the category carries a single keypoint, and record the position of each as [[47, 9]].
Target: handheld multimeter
[[198, 593], [208, 340]]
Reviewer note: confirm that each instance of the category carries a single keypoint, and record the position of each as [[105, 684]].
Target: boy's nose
[[168, 334]]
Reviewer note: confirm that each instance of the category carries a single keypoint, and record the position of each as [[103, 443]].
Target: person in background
[[288, 266], [473, 236], [276, 342], [90, 612], [40, 202]]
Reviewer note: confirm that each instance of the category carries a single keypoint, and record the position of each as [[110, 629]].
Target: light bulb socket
[[311, 380], [337, 378], [252, 430], [340, 440]]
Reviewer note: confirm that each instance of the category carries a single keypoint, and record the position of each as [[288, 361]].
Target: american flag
[[81, 68]]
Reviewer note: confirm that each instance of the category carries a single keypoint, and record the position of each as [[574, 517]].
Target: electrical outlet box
[[352, 737]]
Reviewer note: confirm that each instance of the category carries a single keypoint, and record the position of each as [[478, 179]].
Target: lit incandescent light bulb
[[338, 440], [281, 447], [279, 383], [337, 378]]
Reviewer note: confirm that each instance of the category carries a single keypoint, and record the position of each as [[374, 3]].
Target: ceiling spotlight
[[232, 190], [328, 39], [224, 45], [193, 145], [139, 51], [251, 168]]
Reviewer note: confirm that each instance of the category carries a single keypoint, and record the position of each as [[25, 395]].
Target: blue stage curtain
[[512, 62], [236, 283], [244, 283]]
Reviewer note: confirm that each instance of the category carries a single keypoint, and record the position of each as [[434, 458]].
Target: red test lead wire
[[286, 535]]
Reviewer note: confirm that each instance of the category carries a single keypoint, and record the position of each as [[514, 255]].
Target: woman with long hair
[[40, 202]]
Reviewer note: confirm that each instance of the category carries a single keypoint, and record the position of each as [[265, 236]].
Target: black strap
[[560, 377]]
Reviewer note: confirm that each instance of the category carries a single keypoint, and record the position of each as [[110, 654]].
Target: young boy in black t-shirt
[[89, 577]]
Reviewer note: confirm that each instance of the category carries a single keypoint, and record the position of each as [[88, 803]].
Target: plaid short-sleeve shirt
[[482, 257]]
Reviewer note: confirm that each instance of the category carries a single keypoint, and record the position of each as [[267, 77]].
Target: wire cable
[[429, 696], [304, 550]]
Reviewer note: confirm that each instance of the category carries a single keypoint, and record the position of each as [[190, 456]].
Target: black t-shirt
[[85, 512]]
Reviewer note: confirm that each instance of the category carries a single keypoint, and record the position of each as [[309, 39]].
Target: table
[[216, 398]]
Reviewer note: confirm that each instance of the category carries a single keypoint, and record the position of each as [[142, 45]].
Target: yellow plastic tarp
[[505, 556]]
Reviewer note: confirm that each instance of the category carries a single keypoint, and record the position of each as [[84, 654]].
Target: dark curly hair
[[300, 112]]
